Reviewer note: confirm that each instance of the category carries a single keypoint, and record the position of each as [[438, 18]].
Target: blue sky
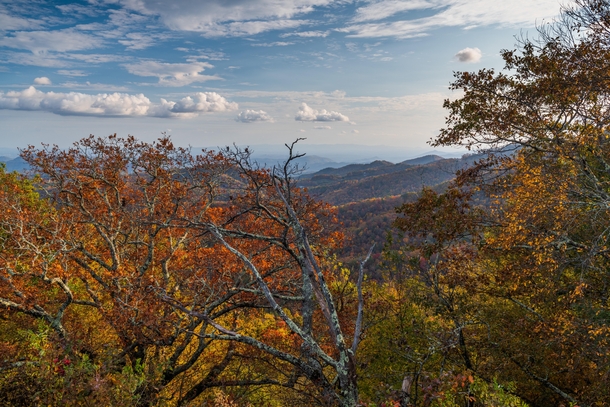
[[214, 72]]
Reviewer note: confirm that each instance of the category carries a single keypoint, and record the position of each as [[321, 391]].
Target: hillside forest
[[145, 274]]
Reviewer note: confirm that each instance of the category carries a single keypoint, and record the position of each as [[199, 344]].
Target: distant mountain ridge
[[381, 179], [350, 153], [309, 163], [426, 159], [14, 164], [355, 171]]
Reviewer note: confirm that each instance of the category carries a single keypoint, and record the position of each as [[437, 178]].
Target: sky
[[217, 72]]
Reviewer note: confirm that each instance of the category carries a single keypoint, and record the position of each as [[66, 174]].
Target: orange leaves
[[121, 260]]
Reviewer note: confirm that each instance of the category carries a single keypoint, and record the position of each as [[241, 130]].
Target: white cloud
[[104, 87], [43, 80], [59, 60], [247, 28], [77, 9], [387, 8], [355, 131], [307, 34], [17, 23], [200, 102], [322, 127], [170, 74], [307, 114], [125, 19], [141, 40], [470, 55], [112, 105], [73, 72], [40, 42], [136, 41], [272, 44], [206, 54], [447, 13], [203, 16], [96, 58], [27, 58], [251, 116]]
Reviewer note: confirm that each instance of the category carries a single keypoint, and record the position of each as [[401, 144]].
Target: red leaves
[[60, 366]]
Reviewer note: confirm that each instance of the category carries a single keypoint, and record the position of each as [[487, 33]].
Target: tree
[[178, 274], [535, 258], [29, 252], [286, 220]]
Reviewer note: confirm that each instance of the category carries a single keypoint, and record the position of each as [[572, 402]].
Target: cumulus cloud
[[322, 127], [113, 104], [307, 114], [369, 23], [43, 80], [470, 55], [170, 74], [251, 116]]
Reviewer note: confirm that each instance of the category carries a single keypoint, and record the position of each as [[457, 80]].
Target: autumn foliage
[[150, 273], [142, 274], [511, 262]]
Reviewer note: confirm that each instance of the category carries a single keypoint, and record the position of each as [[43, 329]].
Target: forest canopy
[[515, 252], [145, 274]]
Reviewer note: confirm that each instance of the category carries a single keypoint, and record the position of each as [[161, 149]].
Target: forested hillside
[[143, 274], [381, 179], [366, 196]]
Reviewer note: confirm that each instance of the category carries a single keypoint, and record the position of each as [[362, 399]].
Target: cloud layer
[[307, 114], [114, 104], [170, 74], [251, 116], [221, 17], [369, 20], [40, 42]]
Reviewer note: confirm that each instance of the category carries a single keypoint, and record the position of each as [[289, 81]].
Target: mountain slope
[[380, 179]]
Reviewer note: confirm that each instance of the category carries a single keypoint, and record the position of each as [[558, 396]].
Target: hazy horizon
[[338, 153]]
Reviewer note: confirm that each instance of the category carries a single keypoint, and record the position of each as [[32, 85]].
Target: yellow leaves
[[580, 289]]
